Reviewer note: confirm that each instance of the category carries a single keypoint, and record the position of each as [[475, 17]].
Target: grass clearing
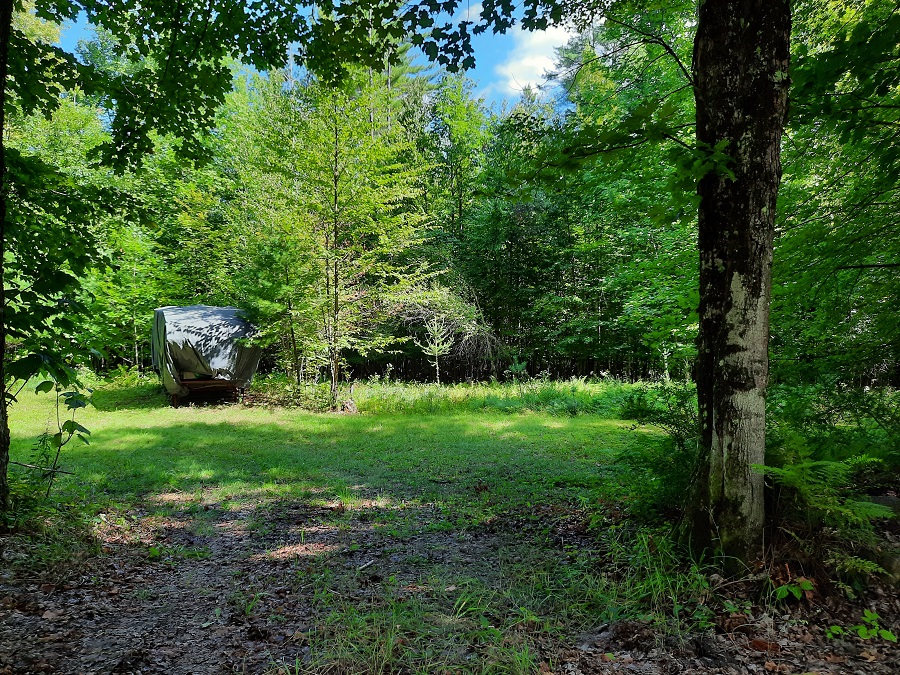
[[234, 452], [452, 539]]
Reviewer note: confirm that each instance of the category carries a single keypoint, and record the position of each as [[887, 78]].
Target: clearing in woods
[[255, 540]]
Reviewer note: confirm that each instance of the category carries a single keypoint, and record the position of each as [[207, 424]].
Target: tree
[[741, 56], [437, 342], [325, 213], [357, 196]]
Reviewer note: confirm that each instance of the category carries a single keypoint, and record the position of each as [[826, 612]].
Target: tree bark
[[5, 30], [741, 58]]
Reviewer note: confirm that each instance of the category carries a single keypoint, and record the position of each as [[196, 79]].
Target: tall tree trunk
[[5, 30], [741, 58]]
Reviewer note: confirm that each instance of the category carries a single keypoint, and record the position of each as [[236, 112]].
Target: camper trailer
[[203, 349]]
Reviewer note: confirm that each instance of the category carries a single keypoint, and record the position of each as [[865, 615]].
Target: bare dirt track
[[212, 589]]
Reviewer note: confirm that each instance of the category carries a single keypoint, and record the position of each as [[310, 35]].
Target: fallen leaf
[[760, 645], [833, 658], [869, 656]]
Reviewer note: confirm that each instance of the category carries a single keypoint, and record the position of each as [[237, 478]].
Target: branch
[[42, 468], [656, 39]]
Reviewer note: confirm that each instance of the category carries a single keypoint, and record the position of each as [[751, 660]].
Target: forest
[[644, 315]]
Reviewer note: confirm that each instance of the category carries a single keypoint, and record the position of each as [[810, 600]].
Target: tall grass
[[566, 398]]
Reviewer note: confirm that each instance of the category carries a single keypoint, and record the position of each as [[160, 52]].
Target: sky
[[504, 64]]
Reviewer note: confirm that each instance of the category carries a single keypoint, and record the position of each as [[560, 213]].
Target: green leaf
[[72, 427], [44, 387]]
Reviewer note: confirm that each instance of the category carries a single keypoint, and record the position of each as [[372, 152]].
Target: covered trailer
[[200, 348]]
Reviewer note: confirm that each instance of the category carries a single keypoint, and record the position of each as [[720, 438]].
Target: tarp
[[202, 341]]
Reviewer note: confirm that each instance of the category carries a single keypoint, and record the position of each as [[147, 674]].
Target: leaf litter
[[201, 588]]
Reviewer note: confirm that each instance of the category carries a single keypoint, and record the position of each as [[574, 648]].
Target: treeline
[[395, 225]]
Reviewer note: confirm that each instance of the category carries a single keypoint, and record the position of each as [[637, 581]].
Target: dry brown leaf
[[834, 658], [761, 645], [870, 656]]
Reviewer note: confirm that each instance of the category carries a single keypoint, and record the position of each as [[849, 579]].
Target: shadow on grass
[[362, 573], [409, 543], [145, 396], [468, 462]]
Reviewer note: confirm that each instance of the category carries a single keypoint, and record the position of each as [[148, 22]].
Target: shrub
[[278, 389], [661, 472], [829, 445]]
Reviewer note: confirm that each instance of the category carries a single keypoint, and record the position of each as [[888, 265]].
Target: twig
[[41, 468]]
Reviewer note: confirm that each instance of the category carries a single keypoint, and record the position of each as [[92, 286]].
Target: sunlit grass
[[424, 480], [238, 452]]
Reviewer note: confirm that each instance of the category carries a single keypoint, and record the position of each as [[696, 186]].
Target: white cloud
[[468, 13], [531, 56]]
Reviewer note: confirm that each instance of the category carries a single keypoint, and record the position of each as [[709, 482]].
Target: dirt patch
[[203, 588]]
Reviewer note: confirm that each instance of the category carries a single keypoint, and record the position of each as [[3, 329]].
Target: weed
[[171, 553], [143, 594], [869, 628], [244, 604], [796, 588]]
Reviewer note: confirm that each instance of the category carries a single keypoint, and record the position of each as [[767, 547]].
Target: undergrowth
[[660, 474], [565, 398], [829, 449], [45, 537], [449, 622]]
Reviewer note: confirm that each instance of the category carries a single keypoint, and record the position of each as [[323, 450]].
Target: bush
[[837, 422], [661, 472], [278, 389], [828, 448]]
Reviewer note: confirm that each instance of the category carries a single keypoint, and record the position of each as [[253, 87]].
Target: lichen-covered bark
[[741, 57]]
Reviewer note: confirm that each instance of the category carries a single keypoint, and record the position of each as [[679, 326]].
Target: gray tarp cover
[[203, 340]]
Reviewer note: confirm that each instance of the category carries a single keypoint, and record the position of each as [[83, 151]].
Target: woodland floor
[[357, 580], [259, 590]]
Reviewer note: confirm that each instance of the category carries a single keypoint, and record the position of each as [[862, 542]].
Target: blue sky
[[505, 64]]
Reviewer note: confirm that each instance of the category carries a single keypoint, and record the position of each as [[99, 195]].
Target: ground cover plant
[[468, 539]]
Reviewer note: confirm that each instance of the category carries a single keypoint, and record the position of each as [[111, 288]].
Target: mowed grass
[[140, 446]]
